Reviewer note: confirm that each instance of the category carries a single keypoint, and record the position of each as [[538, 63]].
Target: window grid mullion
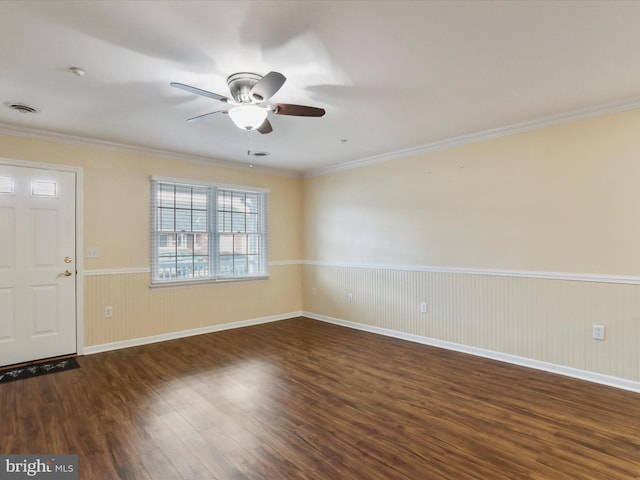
[[155, 251], [244, 196], [212, 229], [192, 236], [175, 227]]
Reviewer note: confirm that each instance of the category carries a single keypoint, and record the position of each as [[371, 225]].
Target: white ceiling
[[392, 75]]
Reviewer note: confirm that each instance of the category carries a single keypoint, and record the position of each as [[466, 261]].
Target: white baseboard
[[599, 378], [610, 381], [134, 342]]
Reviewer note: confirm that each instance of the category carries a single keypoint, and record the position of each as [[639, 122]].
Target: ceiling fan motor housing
[[240, 85], [248, 91]]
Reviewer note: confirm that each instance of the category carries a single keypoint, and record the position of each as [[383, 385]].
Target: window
[[6, 185], [207, 232], [40, 188]]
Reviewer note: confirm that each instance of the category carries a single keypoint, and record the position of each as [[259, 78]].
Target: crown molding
[[58, 137], [522, 127], [513, 129]]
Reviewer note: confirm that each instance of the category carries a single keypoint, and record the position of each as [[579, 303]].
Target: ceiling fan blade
[[200, 117], [297, 110], [267, 86], [265, 127], [198, 91]]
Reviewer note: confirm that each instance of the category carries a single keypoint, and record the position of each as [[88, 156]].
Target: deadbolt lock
[[67, 260]]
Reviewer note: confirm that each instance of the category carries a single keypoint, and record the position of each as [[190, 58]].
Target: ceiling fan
[[248, 92]]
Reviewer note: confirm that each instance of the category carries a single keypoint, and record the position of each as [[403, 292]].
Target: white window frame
[[214, 271]]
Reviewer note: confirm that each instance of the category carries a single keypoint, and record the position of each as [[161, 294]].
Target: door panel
[[45, 299], [45, 238], [7, 249], [37, 232], [7, 315]]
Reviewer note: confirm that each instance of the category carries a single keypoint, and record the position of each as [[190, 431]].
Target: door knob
[[67, 273]]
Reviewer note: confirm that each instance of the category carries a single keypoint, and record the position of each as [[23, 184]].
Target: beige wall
[[533, 319], [563, 199], [117, 220], [560, 199], [140, 311]]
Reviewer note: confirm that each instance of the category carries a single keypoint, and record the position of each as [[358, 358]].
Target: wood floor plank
[[300, 399]]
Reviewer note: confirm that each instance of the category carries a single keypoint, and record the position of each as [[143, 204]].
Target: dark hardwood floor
[[300, 399]]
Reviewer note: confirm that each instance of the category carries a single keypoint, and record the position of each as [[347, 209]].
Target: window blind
[[207, 232]]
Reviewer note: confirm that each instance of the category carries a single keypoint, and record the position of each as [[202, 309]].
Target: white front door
[[37, 264]]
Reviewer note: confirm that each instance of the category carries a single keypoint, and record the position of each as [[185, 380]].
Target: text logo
[[49, 467]]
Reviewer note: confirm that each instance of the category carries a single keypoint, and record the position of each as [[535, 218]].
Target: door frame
[[79, 225]]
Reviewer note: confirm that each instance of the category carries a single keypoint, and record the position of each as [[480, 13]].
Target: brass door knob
[[67, 273]]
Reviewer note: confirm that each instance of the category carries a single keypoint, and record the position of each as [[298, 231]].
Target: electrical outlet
[[598, 332], [93, 252], [423, 307], [349, 297], [108, 312]]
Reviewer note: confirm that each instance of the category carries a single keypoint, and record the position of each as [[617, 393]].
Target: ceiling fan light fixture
[[248, 117]]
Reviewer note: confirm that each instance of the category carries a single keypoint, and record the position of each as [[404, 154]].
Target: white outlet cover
[[598, 332]]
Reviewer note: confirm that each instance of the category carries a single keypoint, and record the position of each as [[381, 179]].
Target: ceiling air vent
[[258, 154], [21, 108]]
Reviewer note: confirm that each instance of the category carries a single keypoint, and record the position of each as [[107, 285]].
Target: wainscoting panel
[[140, 311], [548, 320]]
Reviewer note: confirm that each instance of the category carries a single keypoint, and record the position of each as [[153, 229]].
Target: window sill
[[209, 281]]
